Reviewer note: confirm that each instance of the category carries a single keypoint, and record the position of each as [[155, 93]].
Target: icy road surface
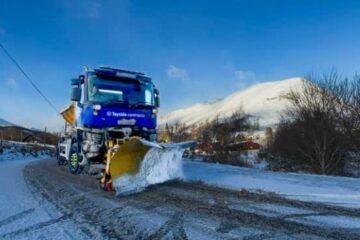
[[175, 210], [24, 217]]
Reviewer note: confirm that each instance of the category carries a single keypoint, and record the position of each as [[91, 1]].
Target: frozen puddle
[[158, 166]]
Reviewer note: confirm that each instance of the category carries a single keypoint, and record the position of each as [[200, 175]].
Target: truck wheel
[[74, 159]]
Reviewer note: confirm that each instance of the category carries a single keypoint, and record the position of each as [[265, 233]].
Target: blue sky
[[194, 50]]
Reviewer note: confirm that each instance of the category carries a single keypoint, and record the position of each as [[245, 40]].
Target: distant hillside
[[264, 100], [21, 134], [4, 123]]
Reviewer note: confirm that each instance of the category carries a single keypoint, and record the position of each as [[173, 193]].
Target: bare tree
[[226, 131], [176, 132], [269, 136], [205, 135], [317, 131]]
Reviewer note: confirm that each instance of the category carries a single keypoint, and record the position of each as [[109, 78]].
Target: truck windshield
[[103, 90]]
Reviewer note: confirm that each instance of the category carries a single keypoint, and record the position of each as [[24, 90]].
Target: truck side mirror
[[157, 97], [75, 90], [157, 101]]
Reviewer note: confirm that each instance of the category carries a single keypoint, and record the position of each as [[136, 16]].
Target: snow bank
[[340, 191], [10, 154], [23, 151], [158, 166]]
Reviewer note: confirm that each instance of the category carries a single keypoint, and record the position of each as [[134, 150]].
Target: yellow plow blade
[[138, 163], [128, 158]]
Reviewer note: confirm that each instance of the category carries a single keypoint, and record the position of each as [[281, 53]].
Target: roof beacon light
[[125, 75]]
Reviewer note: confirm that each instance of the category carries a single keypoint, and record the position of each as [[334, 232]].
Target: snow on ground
[[340, 191], [21, 215], [251, 158], [11, 154], [331, 221], [10, 150]]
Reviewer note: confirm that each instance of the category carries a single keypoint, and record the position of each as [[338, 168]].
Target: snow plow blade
[[128, 158]]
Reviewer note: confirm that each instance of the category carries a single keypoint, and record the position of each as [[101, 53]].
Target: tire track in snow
[[16, 217], [173, 225], [33, 227]]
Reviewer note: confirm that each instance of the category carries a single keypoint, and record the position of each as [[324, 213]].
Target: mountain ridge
[[5, 123], [264, 100]]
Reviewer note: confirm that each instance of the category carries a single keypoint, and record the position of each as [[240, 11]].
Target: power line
[[28, 78]]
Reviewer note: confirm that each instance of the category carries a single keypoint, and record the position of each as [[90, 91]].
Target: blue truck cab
[[112, 103]]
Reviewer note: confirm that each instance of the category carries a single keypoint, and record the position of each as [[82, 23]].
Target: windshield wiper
[[147, 104]]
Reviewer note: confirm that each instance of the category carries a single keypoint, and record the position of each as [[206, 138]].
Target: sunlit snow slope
[[264, 100]]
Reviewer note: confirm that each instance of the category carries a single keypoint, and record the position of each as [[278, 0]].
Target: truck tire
[[74, 159]]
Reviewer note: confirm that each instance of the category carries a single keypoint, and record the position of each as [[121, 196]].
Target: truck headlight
[[97, 107], [154, 112]]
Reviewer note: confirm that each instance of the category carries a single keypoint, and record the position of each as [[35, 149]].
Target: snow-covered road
[[338, 191], [24, 217], [186, 210], [40, 200]]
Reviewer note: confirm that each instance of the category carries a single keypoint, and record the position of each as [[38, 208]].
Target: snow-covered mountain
[[4, 123], [265, 100]]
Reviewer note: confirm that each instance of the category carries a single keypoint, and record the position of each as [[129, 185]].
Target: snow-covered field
[[339, 191]]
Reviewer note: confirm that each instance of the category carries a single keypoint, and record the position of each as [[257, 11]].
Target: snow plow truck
[[113, 120]]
